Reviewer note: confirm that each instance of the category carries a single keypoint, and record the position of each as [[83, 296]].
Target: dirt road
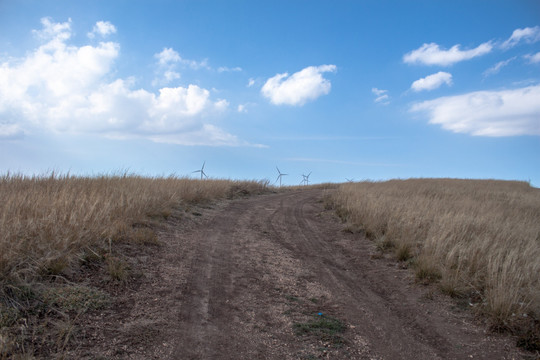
[[276, 277]]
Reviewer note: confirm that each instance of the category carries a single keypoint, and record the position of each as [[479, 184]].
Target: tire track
[[224, 288], [371, 299]]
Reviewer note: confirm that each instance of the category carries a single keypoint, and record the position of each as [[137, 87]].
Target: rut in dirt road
[[232, 308], [243, 281]]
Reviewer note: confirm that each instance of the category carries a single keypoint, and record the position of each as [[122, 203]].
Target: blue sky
[[342, 89]]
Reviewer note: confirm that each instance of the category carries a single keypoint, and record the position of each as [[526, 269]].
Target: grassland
[[476, 239], [52, 225]]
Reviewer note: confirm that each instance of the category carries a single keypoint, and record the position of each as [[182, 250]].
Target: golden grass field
[[48, 221], [52, 225], [475, 238]]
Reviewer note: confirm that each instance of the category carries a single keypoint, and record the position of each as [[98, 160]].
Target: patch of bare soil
[[276, 277]]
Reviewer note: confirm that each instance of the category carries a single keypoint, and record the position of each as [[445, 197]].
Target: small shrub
[[450, 285], [426, 271], [324, 327], [117, 269], [384, 243], [56, 266], [63, 332], [404, 252], [144, 236], [8, 316], [78, 298]]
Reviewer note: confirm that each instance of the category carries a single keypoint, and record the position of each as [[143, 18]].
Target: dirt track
[[233, 283]]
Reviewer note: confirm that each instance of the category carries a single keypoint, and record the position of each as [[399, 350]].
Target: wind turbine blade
[[278, 170], [203, 165]]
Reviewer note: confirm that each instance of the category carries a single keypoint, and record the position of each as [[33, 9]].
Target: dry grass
[[481, 238], [47, 221], [52, 224]]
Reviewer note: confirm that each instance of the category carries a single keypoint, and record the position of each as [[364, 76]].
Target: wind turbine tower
[[202, 171], [279, 176], [305, 179]]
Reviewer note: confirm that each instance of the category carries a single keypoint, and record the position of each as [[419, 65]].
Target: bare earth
[[231, 282]]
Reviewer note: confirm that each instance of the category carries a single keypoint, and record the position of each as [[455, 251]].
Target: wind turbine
[[305, 179], [349, 180], [279, 176], [202, 171]]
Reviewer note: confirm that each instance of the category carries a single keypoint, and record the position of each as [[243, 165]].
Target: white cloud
[[487, 113], [533, 58], [67, 89], [171, 75], [54, 31], [10, 131], [102, 28], [432, 82], [378, 92], [497, 67], [208, 135], [166, 72], [221, 104], [167, 56], [383, 99], [432, 54], [528, 34], [227, 69], [382, 96], [196, 65], [167, 63], [302, 86], [242, 108], [251, 82]]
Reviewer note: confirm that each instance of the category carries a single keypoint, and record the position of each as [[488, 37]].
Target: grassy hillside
[[478, 239], [51, 226]]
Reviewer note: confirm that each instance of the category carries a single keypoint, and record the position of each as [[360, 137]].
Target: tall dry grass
[[51, 225], [481, 238], [46, 221]]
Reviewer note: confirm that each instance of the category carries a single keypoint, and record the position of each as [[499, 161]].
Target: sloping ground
[[275, 277]]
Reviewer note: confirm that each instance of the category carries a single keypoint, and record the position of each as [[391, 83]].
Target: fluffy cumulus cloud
[[167, 61], [53, 31], [167, 57], [69, 89], [487, 113], [298, 88], [382, 96], [432, 54], [528, 35], [432, 82], [102, 28]]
